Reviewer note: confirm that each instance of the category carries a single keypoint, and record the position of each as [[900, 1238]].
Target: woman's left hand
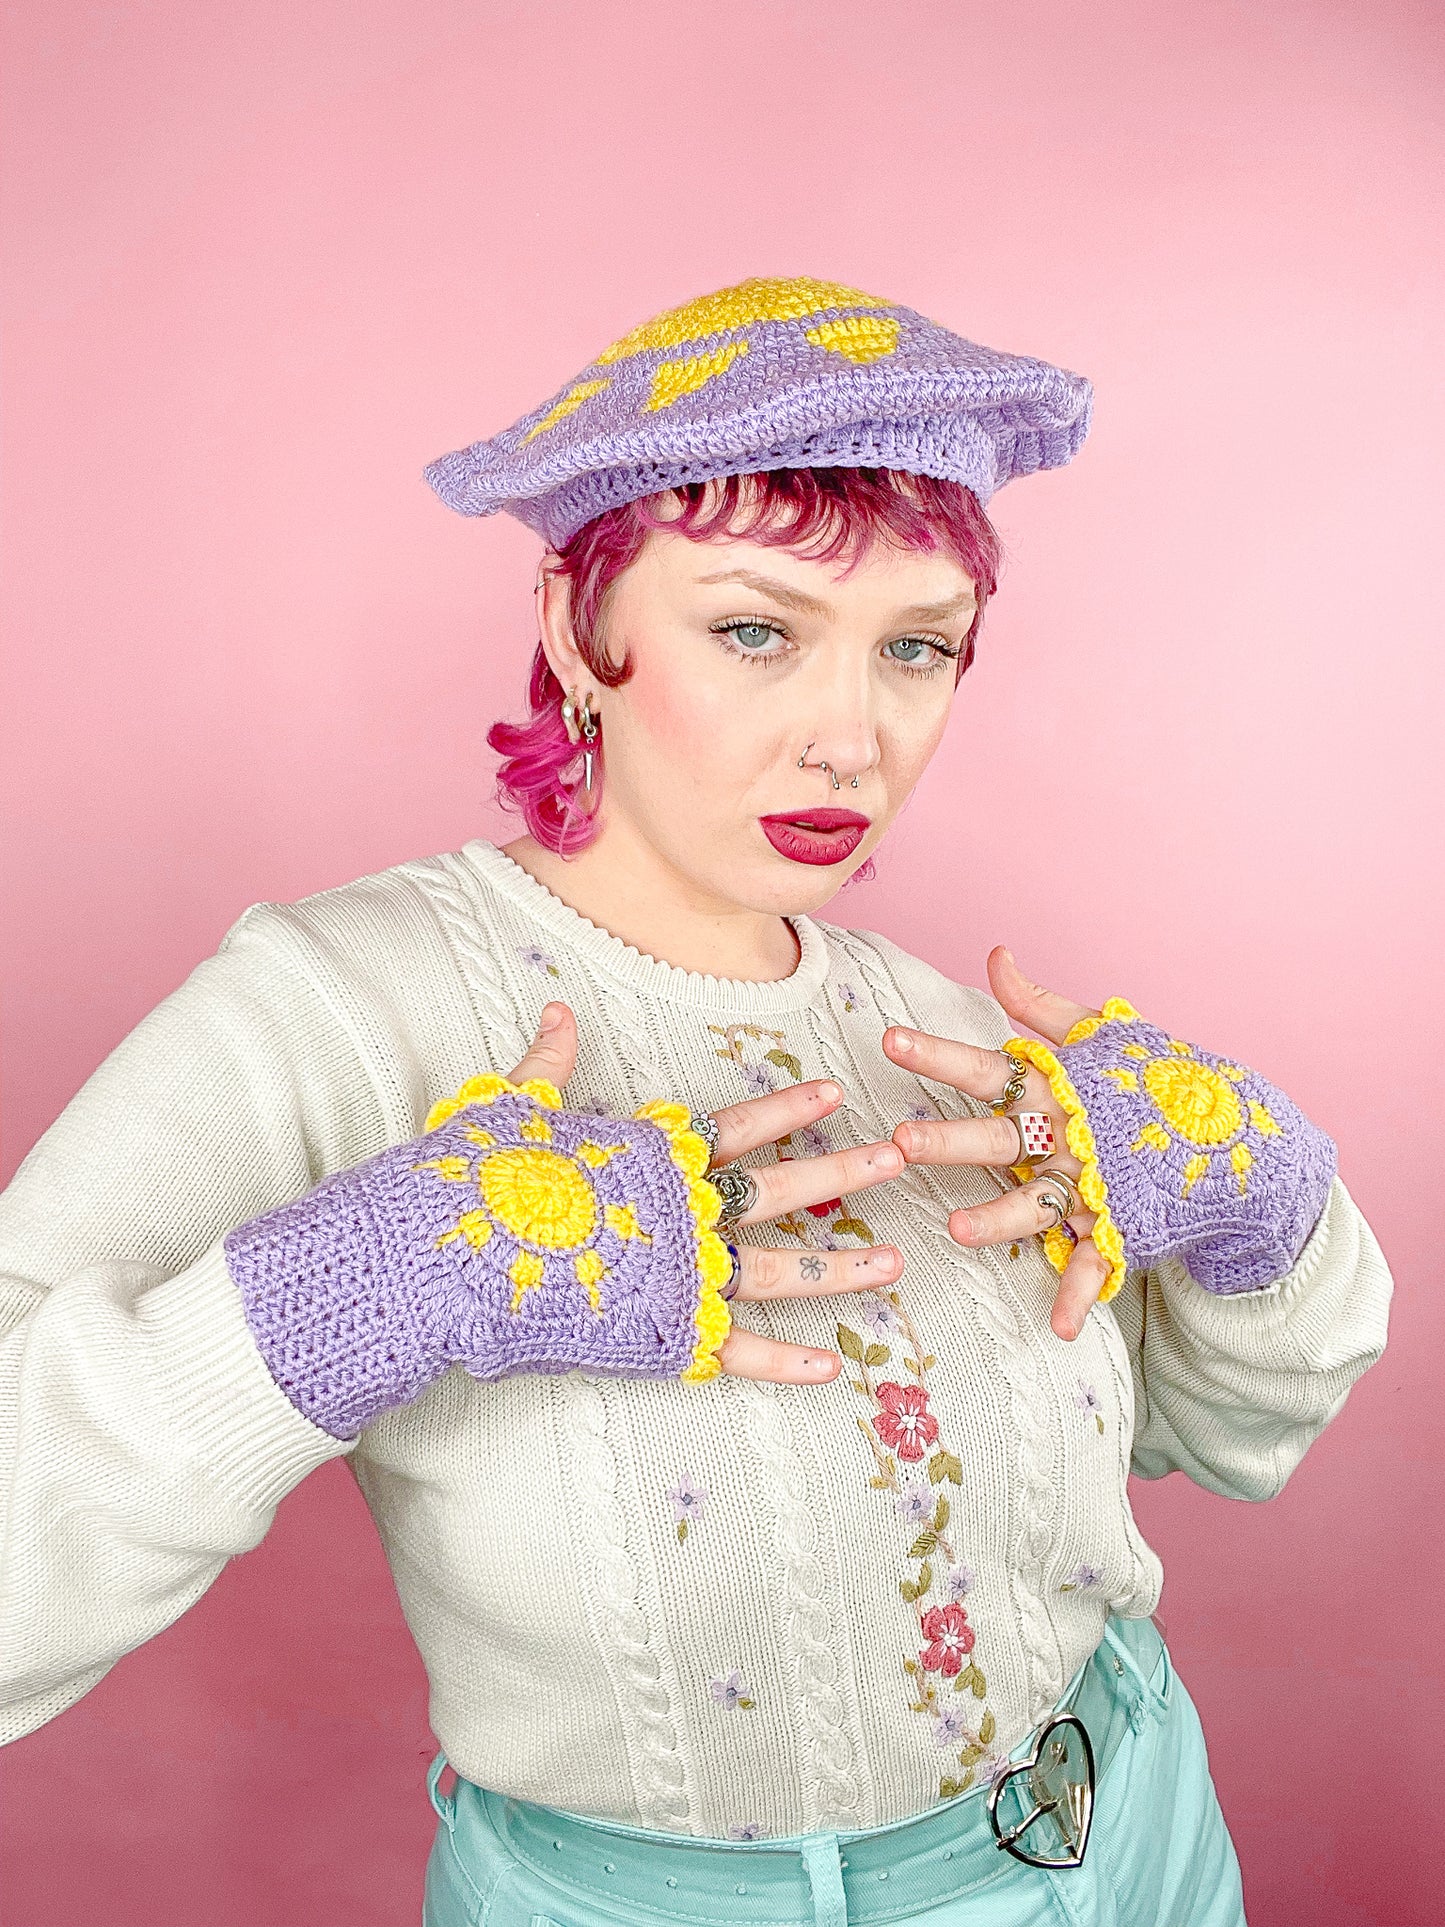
[[994, 1141]]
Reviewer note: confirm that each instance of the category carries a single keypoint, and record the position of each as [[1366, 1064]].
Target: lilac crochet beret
[[771, 374]]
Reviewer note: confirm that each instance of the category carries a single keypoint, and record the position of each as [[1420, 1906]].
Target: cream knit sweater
[[680, 1606]]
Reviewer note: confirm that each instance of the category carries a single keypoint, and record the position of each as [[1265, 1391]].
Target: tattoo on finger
[[811, 1267]]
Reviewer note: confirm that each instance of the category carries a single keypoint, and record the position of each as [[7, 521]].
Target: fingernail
[[967, 1231], [876, 1261], [887, 1158], [902, 1041], [830, 1093], [551, 1017]]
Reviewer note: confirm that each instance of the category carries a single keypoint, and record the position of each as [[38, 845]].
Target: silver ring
[[739, 1192], [1014, 1089], [1036, 1134], [1062, 1194], [729, 1290], [707, 1129]]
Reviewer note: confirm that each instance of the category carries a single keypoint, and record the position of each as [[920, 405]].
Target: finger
[[795, 1182], [552, 1052], [1020, 1213], [747, 1354], [967, 1067], [1045, 1011], [763, 1120], [965, 1140], [767, 1272], [1083, 1279]]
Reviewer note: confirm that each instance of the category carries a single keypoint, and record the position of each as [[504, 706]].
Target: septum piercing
[[803, 763]]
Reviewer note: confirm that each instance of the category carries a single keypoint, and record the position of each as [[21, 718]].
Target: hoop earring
[[579, 716]]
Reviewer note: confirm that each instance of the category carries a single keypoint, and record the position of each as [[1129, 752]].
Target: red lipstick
[[815, 836]]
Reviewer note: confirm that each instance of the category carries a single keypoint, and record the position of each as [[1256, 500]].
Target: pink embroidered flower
[[905, 1422], [826, 1210], [950, 1638]]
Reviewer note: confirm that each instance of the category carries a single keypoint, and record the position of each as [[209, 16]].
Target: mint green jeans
[[1159, 1853]]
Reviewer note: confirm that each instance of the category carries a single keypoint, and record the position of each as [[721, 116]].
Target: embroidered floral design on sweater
[[1084, 1578], [688, 1499], [732, 1692], [1090, 1404], [745, 1830], [758, 1055], [538, 960], [915, 1466]]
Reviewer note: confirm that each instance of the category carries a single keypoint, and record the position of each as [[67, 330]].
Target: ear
[[554, 623]]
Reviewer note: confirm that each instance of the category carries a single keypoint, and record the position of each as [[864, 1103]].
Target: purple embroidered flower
[[880, 1318], [848, 997], [731, 1691], [914, 1501], [688, 1497], [1091, 1403], [993, 1766], [1084, 1578], [758, 1080], [812, 1141], [960, 1580], [538, 959], [746, 1830], [923, 1112], [950, 1728]]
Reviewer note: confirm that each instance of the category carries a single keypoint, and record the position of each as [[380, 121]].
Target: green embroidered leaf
[[970, 1680], [910, 1665], [971, 1754], [747, 1705], [859, 1386], [923, 1545], [1099, 1421], [952, 1470], [988, 1726], [785, 1061], [853, 1228], [913, 1366], [940, 1514], [866, 1429], [879, 1355], [948, 1788], [850, 1344], [979, 1688], [908, 1589], [935, 1467], [681, 1530], [878, 1479], [929, 1359], [925, 1578]]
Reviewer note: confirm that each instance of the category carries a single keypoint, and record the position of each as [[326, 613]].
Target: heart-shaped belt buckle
[[1054, 1788]]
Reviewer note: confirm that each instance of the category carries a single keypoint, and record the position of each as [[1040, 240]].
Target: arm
[[143, 1442]]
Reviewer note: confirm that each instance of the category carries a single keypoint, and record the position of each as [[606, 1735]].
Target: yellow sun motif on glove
[[543, 1200], [1198, 1104]]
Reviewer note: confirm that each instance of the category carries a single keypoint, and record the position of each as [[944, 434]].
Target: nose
[[839, 717]]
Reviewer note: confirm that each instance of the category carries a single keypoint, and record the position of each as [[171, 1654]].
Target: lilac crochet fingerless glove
[[1185, 1154], [514, 1236]]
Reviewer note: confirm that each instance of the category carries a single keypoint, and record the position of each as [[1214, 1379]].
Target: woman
[[722, 1376]]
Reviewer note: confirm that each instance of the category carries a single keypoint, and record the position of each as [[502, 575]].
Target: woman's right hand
[[769, 1272]]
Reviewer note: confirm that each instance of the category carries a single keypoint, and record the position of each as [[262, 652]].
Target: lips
[[815, 836]]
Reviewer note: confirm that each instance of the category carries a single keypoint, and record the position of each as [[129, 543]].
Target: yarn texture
[[771, 373], [513, 1236], [1185, 1154]]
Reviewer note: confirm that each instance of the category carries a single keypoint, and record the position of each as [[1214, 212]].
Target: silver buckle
[[1054, 1788]]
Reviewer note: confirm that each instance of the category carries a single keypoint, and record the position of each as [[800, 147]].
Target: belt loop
[[1147, 1694], [824, 1863], [445, 1803]]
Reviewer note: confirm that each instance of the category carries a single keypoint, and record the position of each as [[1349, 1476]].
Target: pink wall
[[266, 261]]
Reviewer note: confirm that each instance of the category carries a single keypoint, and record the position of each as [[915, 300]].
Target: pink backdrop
[[268, 260]]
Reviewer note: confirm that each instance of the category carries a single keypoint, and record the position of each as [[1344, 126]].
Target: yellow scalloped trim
[[1079, 1136], [714, 1263], [486, 1089]]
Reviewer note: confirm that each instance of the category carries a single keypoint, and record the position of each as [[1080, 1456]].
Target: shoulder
[[912, 991]]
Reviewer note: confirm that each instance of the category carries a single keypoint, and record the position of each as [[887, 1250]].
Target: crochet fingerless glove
[[513, 1236], [1185, 1154]]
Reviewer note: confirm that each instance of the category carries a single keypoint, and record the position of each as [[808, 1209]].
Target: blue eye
[[916, 644], [751, 635]]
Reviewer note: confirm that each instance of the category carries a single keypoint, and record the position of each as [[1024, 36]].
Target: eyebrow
[[792, 598]]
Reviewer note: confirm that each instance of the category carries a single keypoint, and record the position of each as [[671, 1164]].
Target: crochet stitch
[[771, 373], [513, 1236], [1184, 1154]]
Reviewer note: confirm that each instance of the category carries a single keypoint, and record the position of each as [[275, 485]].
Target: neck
[[632, 892]]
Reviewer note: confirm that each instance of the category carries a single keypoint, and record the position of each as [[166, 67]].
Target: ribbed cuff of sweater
[[219, 1394]]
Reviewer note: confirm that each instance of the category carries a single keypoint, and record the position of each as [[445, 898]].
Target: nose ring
[[833, 774]]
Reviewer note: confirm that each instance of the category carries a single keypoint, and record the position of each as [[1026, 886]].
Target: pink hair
[[822, 513]]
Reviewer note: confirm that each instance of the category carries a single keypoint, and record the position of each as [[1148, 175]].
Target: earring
[[578, 718]]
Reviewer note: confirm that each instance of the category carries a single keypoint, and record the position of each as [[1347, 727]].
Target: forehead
[[878, 576]]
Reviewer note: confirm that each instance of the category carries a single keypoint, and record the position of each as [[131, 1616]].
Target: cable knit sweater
[[718, 1609]]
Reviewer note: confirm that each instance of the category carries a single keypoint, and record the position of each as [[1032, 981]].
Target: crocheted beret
[[771, 374]]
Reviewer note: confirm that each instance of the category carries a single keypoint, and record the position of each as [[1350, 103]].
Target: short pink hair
[[822, 513]]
